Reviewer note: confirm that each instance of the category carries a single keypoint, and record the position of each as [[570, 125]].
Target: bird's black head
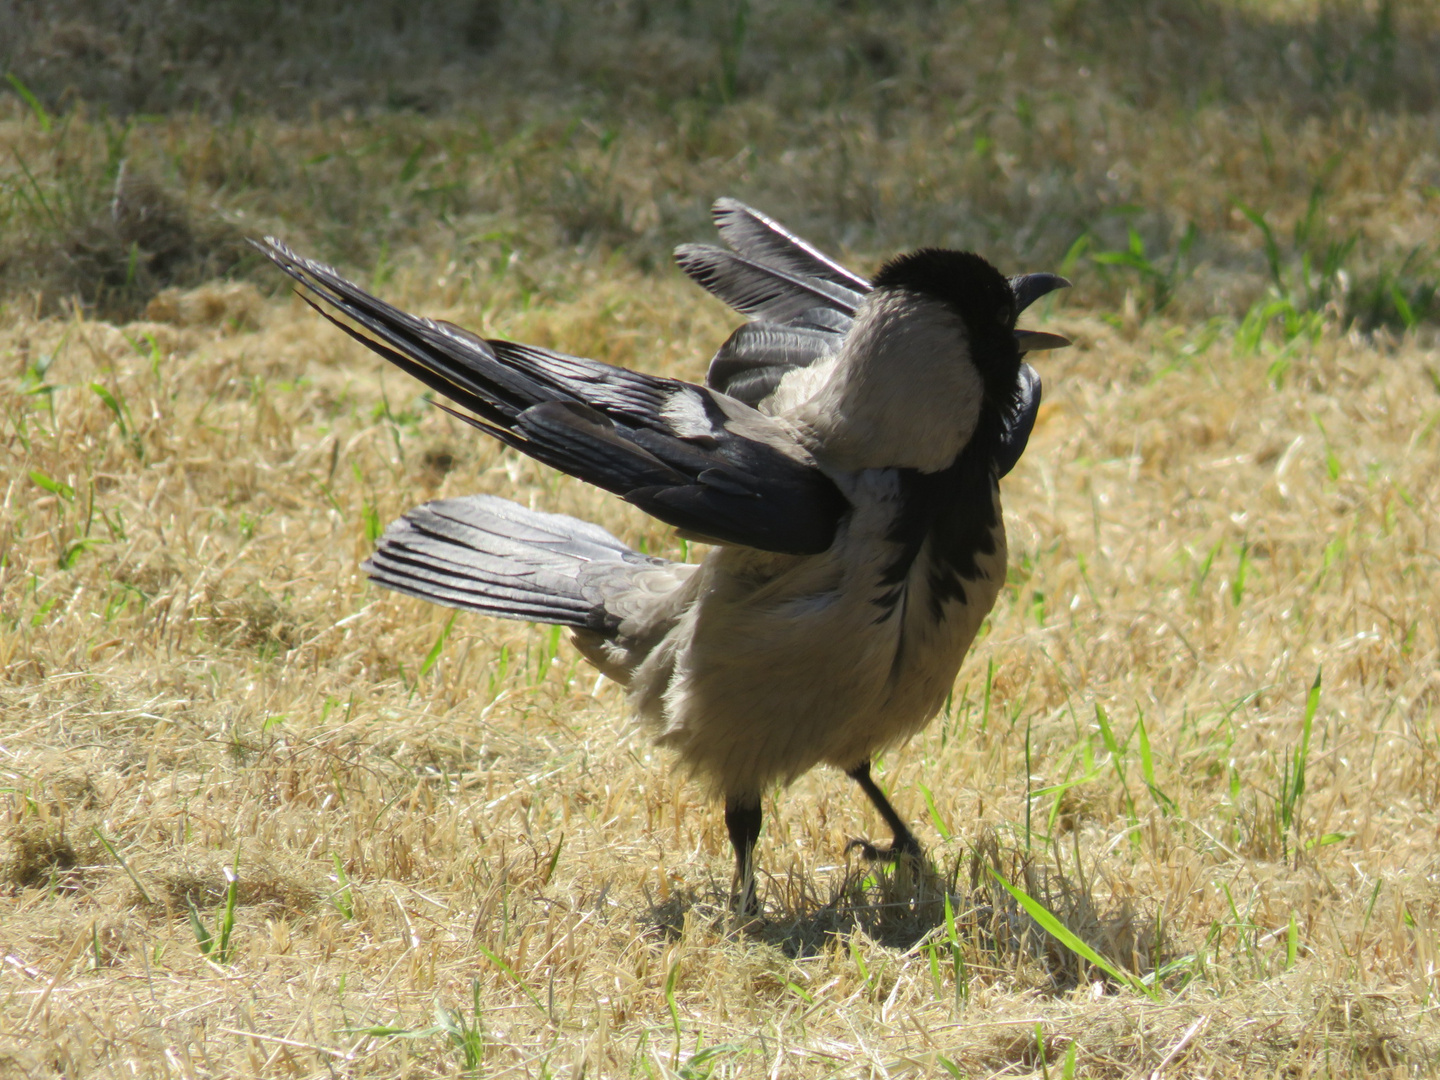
[[983, 299]]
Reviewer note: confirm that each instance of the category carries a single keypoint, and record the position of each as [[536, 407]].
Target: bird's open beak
[[1031, 287], [1035, 340], [1028, 288]]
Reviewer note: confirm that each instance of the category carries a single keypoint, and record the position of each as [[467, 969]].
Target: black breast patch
[[954, 510]]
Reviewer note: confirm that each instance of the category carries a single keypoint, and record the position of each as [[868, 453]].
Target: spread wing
[[691, 456], [802, 303]]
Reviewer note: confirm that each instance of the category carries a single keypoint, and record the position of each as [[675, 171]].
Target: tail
[[485, 554]]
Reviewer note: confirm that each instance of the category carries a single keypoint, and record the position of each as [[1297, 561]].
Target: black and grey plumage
[[844, 458]]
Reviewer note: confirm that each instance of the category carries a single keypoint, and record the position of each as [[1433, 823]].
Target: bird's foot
[[899, 848], [745, 902]]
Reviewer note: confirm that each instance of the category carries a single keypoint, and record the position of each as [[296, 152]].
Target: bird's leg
[[904, 842], [742, 819]]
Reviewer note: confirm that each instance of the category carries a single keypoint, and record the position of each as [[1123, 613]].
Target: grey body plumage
[[844, 457]]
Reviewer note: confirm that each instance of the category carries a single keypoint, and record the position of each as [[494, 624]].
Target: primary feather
[[694, 458]]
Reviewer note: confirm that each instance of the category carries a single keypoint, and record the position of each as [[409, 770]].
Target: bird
[[842, 459]]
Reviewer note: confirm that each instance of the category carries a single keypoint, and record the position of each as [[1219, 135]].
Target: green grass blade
[[55, 487], [343, 898], [433, 656], [227, 917], [510, 972], [38, 110], [935, 817], [1067, 937], [670, 1004], [123, 864], [197, 927]]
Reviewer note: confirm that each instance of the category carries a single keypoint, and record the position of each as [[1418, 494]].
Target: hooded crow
[[843, 458]]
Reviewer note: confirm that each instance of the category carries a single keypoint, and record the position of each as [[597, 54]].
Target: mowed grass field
[[258, 818]]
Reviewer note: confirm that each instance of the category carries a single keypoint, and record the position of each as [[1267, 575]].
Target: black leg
[[904, 842], [742, 819]]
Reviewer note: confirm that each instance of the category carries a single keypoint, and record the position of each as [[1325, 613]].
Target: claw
[[745, 901], [870, 853]]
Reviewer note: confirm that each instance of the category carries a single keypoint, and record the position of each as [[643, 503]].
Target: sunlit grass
[[258, 818]]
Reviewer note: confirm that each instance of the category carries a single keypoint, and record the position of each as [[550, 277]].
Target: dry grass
[[456, 857], [1028, 130]]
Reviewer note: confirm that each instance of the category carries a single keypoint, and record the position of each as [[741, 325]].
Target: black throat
[[951, 515]]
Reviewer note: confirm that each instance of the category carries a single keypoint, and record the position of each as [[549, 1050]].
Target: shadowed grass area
[[1162, 139], [259, 819]]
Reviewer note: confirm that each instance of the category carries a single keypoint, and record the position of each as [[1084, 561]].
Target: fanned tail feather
[[486, 554]]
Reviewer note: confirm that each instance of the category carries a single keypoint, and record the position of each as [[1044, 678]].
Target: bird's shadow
[[957, 907], [895, 905]]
